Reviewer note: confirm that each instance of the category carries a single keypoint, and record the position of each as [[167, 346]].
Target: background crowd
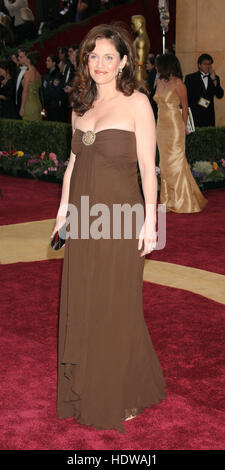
[[25, 94], [18, 23]]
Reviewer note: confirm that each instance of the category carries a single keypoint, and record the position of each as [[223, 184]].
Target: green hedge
[[207, 143], [35, 137]]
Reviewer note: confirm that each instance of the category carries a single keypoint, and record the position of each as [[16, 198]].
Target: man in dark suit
[[151, 81], [202, 86]]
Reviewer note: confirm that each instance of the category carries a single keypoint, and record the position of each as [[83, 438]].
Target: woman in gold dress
[[179, 190]]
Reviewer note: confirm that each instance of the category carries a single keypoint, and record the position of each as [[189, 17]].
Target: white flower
[[202, 167], [157, 170]]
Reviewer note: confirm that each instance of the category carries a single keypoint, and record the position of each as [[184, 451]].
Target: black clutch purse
[[59, 238]]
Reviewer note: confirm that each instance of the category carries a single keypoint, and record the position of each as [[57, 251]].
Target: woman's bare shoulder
[[28, 75], [138, 95], [178, 82], [139, 99]]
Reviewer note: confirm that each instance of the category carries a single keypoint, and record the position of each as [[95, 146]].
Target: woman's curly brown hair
[[85, 90]]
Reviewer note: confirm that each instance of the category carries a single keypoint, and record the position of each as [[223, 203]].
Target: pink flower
[[52, 156], [45, 172], [222, 161]]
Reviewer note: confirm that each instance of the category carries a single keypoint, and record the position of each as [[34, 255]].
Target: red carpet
[[194, 240], [186, 330], [187, 335], [197, 240], [26, 200]]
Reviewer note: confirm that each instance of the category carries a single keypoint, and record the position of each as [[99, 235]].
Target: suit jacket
[[151, 86], [203, 117]]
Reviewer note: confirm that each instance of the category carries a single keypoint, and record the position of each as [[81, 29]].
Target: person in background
[[151, 81], [15, 59], [30, 104], [27, 30], [66, 15], [179, 190], [3, 9], [7, 90], [65, 67], [86, 8], [22, 51], [64, 63], [202, 87], [14, 8], [73, 53], [169, 50], [6, 32], [46, 11], [54, 98]]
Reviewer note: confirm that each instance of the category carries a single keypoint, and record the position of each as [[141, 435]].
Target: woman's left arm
[[146, 146], [182, 93]]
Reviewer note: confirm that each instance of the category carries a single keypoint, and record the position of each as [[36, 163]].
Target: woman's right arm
[[62, 211], [182, 93]]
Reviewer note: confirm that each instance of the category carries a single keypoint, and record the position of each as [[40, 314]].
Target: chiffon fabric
[[107, 366], [179, 190]]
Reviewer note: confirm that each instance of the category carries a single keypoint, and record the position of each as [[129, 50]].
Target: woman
[[54, 98], [63, 60], [179, 190], [7, 90], [108, 368], [30, 109]]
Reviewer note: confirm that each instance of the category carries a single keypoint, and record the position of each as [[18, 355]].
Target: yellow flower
[[19, 153], [215, 166]]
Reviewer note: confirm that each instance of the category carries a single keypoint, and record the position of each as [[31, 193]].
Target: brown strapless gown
[[107, 365], [179, 190]]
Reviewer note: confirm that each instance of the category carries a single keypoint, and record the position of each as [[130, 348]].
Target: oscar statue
[[141, 45]]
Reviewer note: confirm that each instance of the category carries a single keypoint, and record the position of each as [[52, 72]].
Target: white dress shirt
[[205, 79], [23, 69]]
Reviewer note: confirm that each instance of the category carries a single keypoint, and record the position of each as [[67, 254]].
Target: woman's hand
[[60, 220], [148, 234], [212, 72], [21, 112]]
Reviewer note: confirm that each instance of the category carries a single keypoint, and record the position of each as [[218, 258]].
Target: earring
[[120, 71]]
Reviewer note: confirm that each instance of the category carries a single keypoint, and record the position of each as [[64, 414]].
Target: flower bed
[[209, 174], [48, 167], [41, 166]]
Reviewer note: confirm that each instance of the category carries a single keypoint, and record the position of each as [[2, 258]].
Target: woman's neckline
[[104, 130]]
